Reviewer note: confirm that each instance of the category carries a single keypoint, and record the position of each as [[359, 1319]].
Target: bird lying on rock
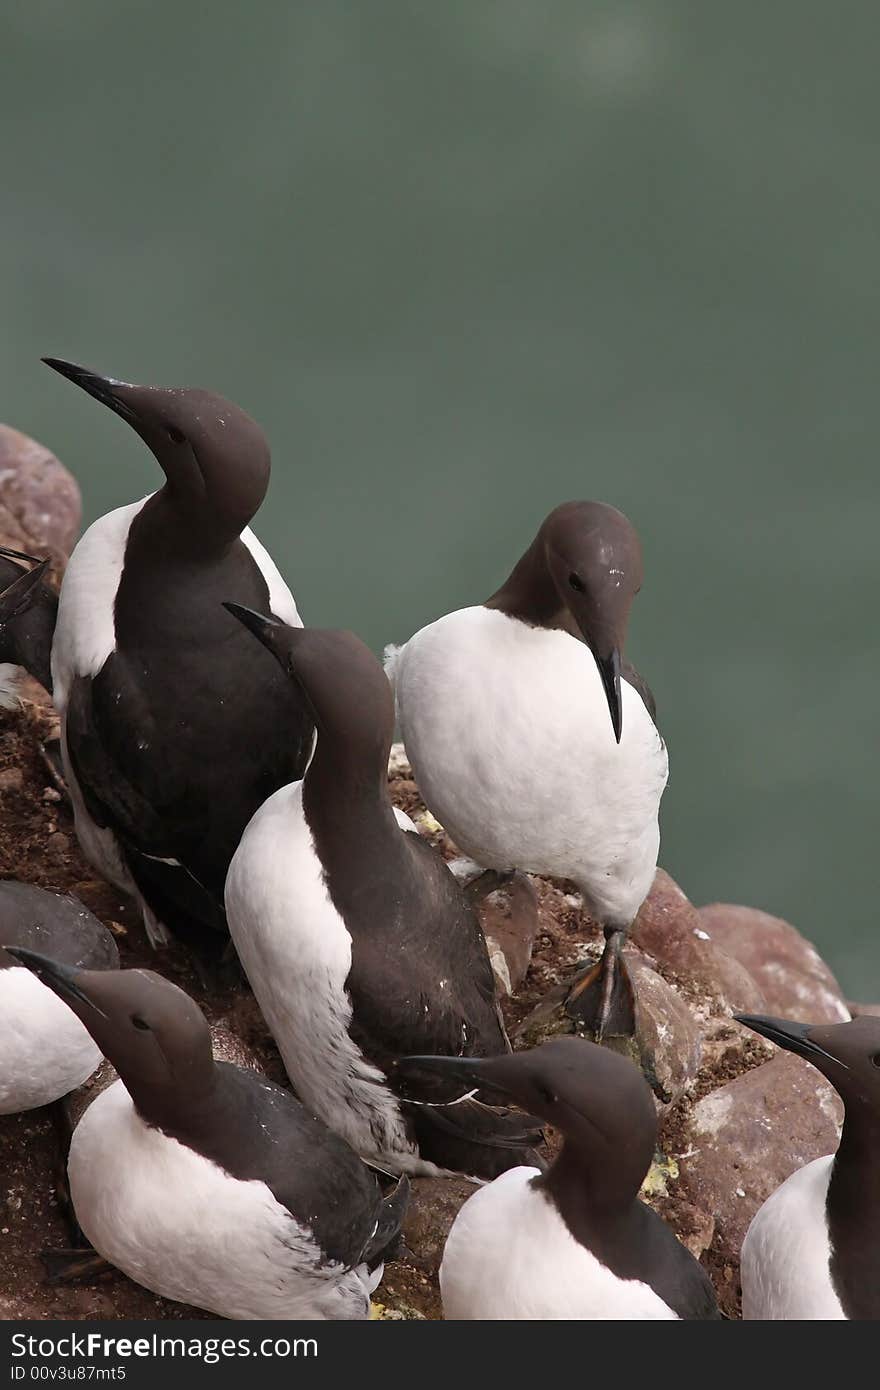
[[574, 1242], [203, 1181], [357, 940], [812, 1251], [174, 727], [504, 712]]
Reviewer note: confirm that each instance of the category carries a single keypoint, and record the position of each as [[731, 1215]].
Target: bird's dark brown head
[[156, 1036], [581, 572], [597, 1098], [215, 457], [847, 1054], [343, 684]]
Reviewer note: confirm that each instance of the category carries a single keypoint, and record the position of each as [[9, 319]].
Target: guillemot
[[812, 1251], [203, 1181], [357, 940], [574, 1242], [44, 1051], [28, 609], [174, 729], [504, 712]]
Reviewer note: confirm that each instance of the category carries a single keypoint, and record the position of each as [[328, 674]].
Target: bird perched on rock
[[812, 1251], [174, 728], [202, 1180], [28, 609], [357, 940], [44, 1050], [535, 743], [574, 1242]]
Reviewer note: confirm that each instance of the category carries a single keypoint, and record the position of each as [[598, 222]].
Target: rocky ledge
[[719, 1156]]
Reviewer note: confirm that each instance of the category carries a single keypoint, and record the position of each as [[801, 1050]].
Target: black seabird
[[504, 711], [174, 728], [357, 940], [44, 1051], [574, 1242], [28, 610], [812, 1251], [205, 1182]]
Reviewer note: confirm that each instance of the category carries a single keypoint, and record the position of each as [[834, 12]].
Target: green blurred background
[[467, 259]]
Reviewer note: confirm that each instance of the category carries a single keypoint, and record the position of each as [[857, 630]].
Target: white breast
[[510, 1255], [45, 1051], [786, 1252], [181, 1226], [296, 952], [508, 732]]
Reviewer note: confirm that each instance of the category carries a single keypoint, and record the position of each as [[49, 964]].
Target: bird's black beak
[[18, 555], [794, 1037], [20, 594], [469, 1073], [268, 630], [609, 670], [61, 979], [104, 388]]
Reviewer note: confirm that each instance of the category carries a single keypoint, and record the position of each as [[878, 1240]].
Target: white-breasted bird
[[575, 1242], [504, 711]]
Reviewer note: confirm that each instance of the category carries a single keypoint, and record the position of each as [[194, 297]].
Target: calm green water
[[466, 260]]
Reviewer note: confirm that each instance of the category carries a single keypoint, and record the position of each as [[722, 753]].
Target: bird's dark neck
[[183, 1110], [853, 1210], [346, 802], [530, 595], [173, 530], [594, 1201]]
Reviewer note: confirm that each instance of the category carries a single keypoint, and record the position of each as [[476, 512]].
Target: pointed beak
[[63, 980], [18, 555], [470, 1073], [609, 670], [20, 594], [272, 632], [794, 1037], [104, 388]]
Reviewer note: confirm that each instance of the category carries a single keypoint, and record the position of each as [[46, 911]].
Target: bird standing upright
[[504, 711], [174, 728], [357, 940]]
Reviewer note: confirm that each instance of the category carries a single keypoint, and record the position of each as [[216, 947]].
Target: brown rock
[[40, 505], [509, 918], [745, 1138], [11, 780], [57, 846], [793, 978], [668, 928], [433, 1206], [668, 1033]]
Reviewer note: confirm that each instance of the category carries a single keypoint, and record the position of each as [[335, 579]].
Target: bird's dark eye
[[577, 583], [545, 1092], [876, 1059], [139, 1022], [176, 436]]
